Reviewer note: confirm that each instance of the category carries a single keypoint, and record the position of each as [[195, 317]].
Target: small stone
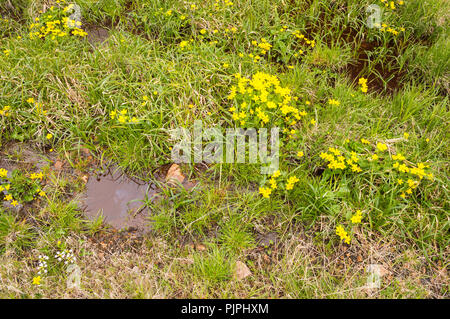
[[241, 271], [174, 175]]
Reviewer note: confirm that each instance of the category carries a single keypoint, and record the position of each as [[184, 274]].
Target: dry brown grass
[[125, 267]]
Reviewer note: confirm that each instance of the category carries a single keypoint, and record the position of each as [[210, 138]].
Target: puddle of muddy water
[[119, 199]]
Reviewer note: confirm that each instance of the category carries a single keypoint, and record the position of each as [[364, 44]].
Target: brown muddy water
[[119, 199]]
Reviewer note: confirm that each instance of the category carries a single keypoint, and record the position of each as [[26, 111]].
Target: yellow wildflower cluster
[[17, 185], [3, 173], [122, 117], [221, 4], [301, 36], [185, 44], [343, 235], [5, 110], [334, 102], [386, 28], [262, 48], [145, 98], [391, 4], [4, 188], [356, 219], [363, 83], [171, 14], [381, 147], [39, 106], [55, 23], [265, 192], [291, 182], [407, 174], [336, 160], [261, 99], [212, 35], [39, 175]]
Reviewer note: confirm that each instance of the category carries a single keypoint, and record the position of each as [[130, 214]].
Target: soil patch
[[96, 34]]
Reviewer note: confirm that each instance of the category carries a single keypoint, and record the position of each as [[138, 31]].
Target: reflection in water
[[119, 199]]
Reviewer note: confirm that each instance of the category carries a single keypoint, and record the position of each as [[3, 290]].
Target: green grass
[[80, 81]]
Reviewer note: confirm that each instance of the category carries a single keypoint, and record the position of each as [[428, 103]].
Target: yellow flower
[[340, 231], [134, 120], [14, 203], [412, 184], [406, 135], [356, 219], [48, 136], [122, 118], [3, 173], [403, 168], [265, 191], [364, 141], [398, 157], [37, 280], [276, 174], [382, 147], [291, 182], [300, 154], [273, 183], [335, 151], [183, 44], [362, 81], [333, 102]]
